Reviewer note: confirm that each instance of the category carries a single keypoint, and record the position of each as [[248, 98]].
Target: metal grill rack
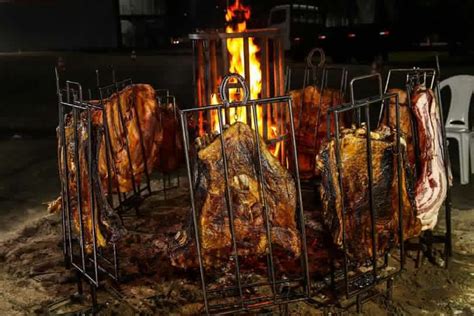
[[235, 298], [93, 263], [90, 264], [211, 61], [322, 78], [350, 282], [428, 77]]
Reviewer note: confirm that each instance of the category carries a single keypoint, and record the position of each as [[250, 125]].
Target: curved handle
[[223, 87], [371, 76], [322, 58]]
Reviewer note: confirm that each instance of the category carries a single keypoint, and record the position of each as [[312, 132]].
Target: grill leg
[[284, 309], [419, 256], [79, 283], [94, 299], [389, 289], [359, 303]]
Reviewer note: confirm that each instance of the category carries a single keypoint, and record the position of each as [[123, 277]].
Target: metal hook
[[309, 58], [223, 87]]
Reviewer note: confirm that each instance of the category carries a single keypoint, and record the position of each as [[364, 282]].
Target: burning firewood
[[355, 192], [246, 199]]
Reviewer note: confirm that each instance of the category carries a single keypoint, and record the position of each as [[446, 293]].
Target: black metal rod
[[78, 182], [64, 183], [447, 202], [230, 211], [302, 224], [371, 194], [263, 199], [184, 125], [110, 153], [399, 179], [339, 171], [92, 204]]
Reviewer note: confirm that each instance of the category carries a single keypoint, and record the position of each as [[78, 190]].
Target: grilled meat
[[406, 121], [132, 145], [139, 109], [171, 148], [310, 120], [246, 198], [354, 193]]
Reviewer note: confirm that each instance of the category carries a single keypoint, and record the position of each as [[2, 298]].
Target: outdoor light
[[322, 37]]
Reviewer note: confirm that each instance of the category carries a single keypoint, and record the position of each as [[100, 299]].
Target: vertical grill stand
[[429, 77], [235, 298], [357, 285]]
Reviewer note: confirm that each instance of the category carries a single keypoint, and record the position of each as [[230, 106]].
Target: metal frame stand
[[430, 78], [318, 76], [76, 128], [351, 286], [240, 302]]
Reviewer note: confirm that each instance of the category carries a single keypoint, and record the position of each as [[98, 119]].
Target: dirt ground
[[33, 279]]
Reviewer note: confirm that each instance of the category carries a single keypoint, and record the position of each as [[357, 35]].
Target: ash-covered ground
[[33, 279]]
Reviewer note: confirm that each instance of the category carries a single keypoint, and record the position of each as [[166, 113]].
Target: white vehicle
[[295, 22]]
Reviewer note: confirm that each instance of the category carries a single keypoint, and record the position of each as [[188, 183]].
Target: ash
[[33, 279]]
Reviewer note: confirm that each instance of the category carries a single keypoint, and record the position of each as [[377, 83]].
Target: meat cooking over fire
[[140, 111], [142, 133], [310, 127], [431, 185], [171, 148], [247, 201], [406, 121], [355, 191]]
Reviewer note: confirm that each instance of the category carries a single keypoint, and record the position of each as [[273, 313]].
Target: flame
[[237, 16], [235, 46]]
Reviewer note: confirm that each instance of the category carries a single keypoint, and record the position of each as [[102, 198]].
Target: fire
[[235, 47], [236, 17]]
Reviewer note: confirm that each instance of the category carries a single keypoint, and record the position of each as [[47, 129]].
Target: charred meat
[[247, 202], [131, 146], [354, 193], [310, 120], [406, 121]]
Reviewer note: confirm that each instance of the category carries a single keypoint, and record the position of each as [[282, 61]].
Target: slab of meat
[[311, 128], [141, 114], [171, 151], [406, 119], [355, 192], [246, 199], [138, 106], [106, 217], [431, 185]]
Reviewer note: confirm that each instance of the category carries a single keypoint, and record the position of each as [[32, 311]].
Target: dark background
[[91, 25]]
